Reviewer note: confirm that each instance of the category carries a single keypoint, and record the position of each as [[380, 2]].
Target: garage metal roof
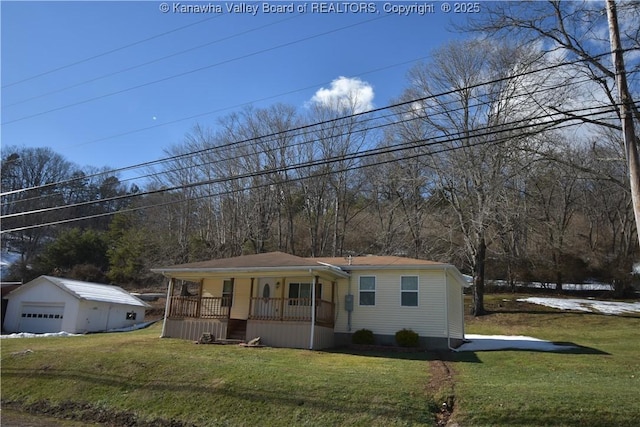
[[96, 291]]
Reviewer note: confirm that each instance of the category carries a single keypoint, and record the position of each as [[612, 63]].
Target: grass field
[[157, 380], [595, 385], [135, 378]]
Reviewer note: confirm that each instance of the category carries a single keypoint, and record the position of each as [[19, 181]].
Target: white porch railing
[[290, 309]]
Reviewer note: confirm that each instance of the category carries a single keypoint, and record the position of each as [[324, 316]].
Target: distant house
[[54, 304], [316, 303]]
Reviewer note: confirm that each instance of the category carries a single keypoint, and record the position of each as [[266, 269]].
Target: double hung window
[[367, 290], [409, 291], [227, 293]]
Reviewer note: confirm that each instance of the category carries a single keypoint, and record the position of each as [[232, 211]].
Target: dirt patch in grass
[[441, 386], [85, 413]]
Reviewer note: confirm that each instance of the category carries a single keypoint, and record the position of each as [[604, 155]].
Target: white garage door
[[41, 318]]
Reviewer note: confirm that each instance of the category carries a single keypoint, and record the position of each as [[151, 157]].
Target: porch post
[[233, 291], [333, 302], [251, 299], [282, 299], [313, 311], [199, 304], [167, 306]]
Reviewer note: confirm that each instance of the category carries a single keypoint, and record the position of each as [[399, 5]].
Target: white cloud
[[345, 93]]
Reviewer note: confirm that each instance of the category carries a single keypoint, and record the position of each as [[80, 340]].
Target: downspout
[[462, 310], [313, 310], [167, 306]]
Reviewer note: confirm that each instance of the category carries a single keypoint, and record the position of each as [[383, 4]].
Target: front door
[[267, 304]]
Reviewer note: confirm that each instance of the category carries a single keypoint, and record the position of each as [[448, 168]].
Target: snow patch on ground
[[47, 335], [508, 342], [586, 305], [67, 334], [593, 286]]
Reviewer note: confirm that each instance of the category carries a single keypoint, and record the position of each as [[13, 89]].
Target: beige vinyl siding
[[341, 319], [241, 295], [212, 288], [241, 291], [388, 315]]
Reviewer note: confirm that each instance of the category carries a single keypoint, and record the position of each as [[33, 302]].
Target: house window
[[367, 288], [227, 293], [298, 291], [409, 291]]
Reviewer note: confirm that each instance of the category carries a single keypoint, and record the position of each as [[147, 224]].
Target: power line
[[243, 104], [522, 124], [425, 142], [133, 67], [299, 128], [185, 73], [306, 129], [321, 123], [546, 68], [261, 137], [109, 52]]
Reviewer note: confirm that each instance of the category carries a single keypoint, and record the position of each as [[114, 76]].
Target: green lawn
[[597, 385], [169, 379], [138, 376]]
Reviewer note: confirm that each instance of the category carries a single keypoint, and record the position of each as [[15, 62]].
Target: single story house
[[316, 303], [54, 304]]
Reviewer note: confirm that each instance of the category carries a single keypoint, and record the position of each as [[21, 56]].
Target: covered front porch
[[260, 308], [285, 307]]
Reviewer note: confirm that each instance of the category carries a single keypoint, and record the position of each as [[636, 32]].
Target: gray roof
[[96, 291]]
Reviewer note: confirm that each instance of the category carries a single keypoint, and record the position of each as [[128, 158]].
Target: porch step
[[237, 330]]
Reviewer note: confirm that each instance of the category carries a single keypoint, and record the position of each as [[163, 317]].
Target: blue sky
[[73, 77]]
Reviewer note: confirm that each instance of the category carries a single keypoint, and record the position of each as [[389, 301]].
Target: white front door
[[267, 306]]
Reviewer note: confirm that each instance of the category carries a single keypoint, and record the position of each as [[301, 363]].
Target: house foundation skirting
[[192, 329], [343, 339], [290, 334]]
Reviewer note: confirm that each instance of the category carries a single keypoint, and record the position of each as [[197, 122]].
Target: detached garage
[[54, 304]]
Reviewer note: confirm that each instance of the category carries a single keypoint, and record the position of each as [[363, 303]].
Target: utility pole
[[626, 112]]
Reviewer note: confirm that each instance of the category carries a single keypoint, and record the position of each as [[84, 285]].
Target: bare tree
[[30, 181], [581, 34], [473, 99], [331, 196]]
